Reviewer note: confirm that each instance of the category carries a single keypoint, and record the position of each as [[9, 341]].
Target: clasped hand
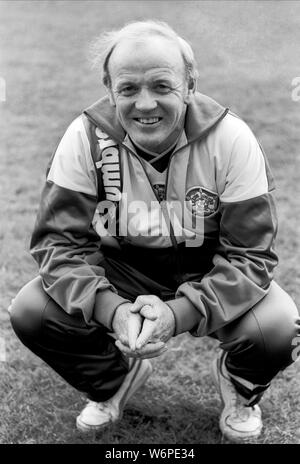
[[143, 328]]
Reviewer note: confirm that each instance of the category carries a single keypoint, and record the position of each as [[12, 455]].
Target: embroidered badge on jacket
[[203, 202]]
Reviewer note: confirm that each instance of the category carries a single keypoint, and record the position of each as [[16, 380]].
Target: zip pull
[[169, 224]]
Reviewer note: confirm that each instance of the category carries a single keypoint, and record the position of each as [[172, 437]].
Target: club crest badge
[[160, 191], [202, 202]]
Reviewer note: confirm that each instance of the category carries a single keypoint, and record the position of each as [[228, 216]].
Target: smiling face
[[149, 90]]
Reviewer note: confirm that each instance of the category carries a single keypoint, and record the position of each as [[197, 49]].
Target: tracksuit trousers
[[258, 345]]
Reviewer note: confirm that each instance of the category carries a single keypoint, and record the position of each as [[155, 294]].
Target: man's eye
[[127, 91], [163, 88]]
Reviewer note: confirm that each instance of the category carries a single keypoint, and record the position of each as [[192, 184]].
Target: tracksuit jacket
[[219, 260]]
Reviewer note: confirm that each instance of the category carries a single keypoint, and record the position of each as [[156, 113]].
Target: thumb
[[148, 312], [146, 333], [141, 301], [134, 328]]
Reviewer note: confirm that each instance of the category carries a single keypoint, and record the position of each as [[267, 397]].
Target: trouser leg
[[85, 356], [260, 343]]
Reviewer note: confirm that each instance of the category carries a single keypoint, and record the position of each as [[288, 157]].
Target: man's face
[[149, 90]]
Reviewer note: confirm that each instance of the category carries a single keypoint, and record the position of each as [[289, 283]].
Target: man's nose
[[145, 101]]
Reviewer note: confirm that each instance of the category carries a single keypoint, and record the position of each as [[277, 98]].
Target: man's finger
[[148, 312], [134, 329], [150, 351], [126, 350], [154, 354], [146, 333], [141, 301], [124, 340]]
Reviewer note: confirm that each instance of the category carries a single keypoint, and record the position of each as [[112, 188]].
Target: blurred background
[[248, 56]]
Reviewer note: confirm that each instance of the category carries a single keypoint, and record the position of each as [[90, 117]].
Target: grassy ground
[[247, 54]]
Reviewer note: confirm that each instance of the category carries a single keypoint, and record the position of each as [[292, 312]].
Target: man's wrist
[[118, 309], [185, 314], [173, 324], [106, 304]]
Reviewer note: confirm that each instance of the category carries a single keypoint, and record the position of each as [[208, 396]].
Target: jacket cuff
[[185, 313], [106, 304]]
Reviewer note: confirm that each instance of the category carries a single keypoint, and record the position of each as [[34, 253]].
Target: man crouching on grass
[[120, 275]]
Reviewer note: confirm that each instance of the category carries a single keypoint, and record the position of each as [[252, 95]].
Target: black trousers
[[258, 344]]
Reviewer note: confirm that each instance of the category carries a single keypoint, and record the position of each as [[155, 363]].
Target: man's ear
[[192, 84], [191, 89], [110, 96]]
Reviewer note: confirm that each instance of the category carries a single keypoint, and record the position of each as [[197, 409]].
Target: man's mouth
[[148, 121]]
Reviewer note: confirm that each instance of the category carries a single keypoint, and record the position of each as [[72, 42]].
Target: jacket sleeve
[[64, 243], [245, 257]]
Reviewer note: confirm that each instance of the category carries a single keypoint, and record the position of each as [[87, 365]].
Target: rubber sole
[[132, 388], [232, 437]]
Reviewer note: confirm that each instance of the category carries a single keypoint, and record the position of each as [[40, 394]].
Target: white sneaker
[[96, 416], [238, 423]]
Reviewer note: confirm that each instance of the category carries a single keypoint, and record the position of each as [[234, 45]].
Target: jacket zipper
[[165, 213]]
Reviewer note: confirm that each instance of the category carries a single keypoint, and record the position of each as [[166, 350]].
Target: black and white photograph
[[149, 225]]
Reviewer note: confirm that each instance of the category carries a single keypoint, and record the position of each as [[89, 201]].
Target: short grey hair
[[103, 46]]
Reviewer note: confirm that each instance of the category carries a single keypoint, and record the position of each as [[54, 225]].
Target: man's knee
[[26, 311], [268, 328], [279, 323]]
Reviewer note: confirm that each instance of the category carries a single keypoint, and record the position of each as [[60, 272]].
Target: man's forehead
[[151, 53], [152, 74]]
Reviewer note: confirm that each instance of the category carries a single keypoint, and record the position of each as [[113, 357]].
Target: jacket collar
[[202, 114]]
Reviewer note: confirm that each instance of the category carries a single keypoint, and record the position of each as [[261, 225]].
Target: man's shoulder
[[231, 129], [233, 124], [76, 125]]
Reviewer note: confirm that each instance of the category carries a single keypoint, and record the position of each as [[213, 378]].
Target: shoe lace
[[104, 406], [241, 412]]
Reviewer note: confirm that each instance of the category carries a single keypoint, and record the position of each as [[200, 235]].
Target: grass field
[[247, 54]]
